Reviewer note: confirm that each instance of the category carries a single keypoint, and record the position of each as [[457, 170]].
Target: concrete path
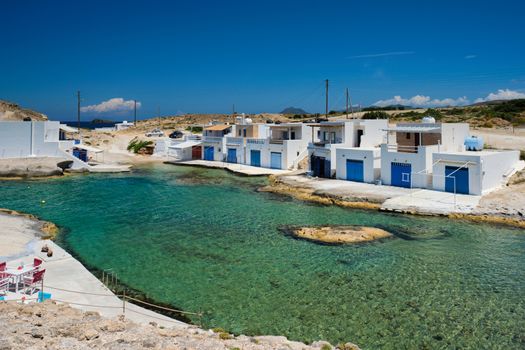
[[391, 198], [347, 190], [69, 281], [242, 169], [432, 202]]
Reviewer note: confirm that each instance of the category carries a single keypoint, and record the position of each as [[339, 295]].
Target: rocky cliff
[[13, 112]]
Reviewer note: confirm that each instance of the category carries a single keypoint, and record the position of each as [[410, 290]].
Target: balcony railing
[[214, 139], [234, 141], [326, 143], [256, 141], [402, 149]]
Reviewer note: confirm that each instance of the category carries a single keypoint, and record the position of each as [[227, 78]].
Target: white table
[[17, 274]]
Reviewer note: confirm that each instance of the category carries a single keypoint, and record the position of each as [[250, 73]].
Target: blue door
[[255, 158], [320, 167], [458, 178], [208, 152], [354, 170], [232, 155], [275, 160], [401, 174]]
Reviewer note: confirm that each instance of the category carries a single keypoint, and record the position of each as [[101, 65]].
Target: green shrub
[[375, 115], [135, 145], [225, 336], [194, 129]]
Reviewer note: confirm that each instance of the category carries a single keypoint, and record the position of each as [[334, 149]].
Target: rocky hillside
[[13, 112], [53, 326]]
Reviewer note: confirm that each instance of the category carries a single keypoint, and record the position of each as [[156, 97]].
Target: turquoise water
[[205, 240]]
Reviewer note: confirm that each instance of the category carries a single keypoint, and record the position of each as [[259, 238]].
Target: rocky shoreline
[[36, 167], [49, 325], [494, 209]]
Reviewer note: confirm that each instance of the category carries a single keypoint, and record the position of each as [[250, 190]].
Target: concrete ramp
[[432, 202]]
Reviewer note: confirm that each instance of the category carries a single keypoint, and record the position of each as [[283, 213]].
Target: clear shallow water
[[204, 240]]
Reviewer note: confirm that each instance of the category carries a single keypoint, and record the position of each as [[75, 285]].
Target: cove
[[205, 240]]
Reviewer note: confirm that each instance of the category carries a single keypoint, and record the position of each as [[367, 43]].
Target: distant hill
[[496, 102], [294, 110], [397, 107], [12, 112]]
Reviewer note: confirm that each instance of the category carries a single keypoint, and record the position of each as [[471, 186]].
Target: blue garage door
[[354, 170], [275, 160], [401, 174], [461, 179], [208, 152], [255, 158], [232, 155]]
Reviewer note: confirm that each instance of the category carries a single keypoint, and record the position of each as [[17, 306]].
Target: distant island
[[101, 121], [293, 110]]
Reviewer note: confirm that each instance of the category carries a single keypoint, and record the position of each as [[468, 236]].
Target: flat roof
[[422, 129], [186, 144], [327, 124], [218, 127], [67, 128], [284, 125], [475, 153]]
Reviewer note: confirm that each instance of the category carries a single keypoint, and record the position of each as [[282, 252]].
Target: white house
[[22, 139], [361, 164], [214, 141], [473, 172], [328, 137], [124, 125], [283, 147], [236, 144], [406, 157], [187, 148]]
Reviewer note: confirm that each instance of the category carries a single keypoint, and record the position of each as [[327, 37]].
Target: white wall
[[487, 170], [371, 162], [218, 149], [453, 136], [25, 139], [420, 162], [374, 134]]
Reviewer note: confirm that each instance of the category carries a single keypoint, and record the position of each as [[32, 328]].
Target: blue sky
[[203, 56]]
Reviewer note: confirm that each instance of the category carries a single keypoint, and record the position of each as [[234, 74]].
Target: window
[[244, 132], [408, 136], [239, 132]]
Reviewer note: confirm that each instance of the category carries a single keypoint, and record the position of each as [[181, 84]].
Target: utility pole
[[351, 107], [135, 113], [346, 103], [326, 107], [158, 114], [78, 112]]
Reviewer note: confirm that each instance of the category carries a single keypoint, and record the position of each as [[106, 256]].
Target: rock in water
[[339, 234]]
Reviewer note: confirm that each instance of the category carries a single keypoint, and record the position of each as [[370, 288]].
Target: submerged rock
[[338, 234]]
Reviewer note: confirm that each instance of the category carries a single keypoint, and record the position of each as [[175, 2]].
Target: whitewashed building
[[406, 157], [351, 135], [473, 172], [214, 141], [283, 148], [24, 139]]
